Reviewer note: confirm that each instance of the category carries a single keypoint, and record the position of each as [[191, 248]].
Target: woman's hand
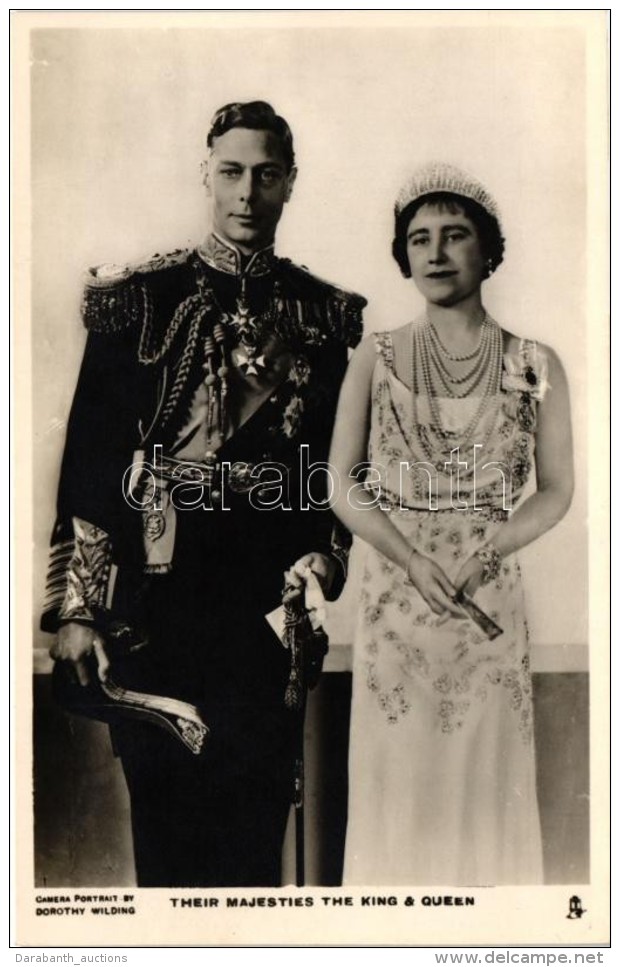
[[433, 585], [75, 642], [469, 577]]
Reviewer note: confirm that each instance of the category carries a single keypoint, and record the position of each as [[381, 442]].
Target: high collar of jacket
[[224, 257]]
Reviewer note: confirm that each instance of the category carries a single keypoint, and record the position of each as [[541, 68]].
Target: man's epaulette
[[116, 296], [338, 311]]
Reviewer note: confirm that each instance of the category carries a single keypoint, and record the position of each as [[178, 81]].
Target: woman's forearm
[[366, 520], [538, 514]]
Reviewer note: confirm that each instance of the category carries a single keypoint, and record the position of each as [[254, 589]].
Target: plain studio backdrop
[[119, 118]]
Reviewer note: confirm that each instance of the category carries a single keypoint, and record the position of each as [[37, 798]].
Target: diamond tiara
[[439, 176]]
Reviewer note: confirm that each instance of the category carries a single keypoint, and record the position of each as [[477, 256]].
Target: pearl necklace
[[435, 339], [438, 356], [429, 370], [453, 386]]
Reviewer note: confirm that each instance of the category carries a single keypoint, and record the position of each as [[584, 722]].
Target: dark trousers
[[218, 819], [194, 826]]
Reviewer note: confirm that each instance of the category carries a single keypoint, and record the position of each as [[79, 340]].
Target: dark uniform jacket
[[154, 331]]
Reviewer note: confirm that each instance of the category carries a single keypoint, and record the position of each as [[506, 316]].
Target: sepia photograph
[[312, 323]]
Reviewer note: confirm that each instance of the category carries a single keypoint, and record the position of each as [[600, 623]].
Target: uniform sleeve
[[326, 534], [92, 517]]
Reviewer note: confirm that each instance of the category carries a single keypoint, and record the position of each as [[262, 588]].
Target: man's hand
[[74, 643], [321, 565]]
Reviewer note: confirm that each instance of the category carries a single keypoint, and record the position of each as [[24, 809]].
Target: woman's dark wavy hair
[[258, 116], [487, 226]]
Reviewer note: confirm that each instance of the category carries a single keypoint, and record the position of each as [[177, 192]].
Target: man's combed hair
[[489, 233], [258, 116]]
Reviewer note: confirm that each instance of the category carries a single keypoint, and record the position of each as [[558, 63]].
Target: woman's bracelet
[[491, 561]]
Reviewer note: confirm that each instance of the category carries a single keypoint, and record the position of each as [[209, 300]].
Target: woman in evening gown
[[439, 422]]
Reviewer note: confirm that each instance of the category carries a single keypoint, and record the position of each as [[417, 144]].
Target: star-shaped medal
[[244, 323], [247, 362]]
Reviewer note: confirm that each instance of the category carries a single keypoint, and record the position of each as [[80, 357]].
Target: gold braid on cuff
[[88, 573]]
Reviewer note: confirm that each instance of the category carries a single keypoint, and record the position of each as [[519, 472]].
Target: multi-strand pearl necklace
[[437, 359], [433, 376]]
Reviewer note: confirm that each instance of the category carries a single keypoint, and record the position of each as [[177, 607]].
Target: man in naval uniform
[[219, 367]]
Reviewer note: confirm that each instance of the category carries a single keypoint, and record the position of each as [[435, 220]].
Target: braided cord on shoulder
[[148, 354], [186, 362]]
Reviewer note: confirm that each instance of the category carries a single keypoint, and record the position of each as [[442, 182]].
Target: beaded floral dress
[[442, 783]]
